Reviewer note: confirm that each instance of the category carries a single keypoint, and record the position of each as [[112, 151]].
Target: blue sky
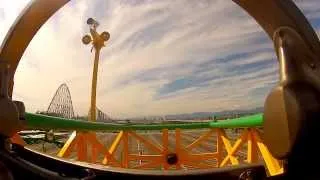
[[163, 57]]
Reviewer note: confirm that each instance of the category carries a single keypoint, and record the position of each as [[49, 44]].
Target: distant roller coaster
[[101, 116], [61, 105]]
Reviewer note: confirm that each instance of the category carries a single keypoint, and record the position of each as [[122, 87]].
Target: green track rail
[[37, 121]]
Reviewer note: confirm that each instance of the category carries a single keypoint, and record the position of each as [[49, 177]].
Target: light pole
[[97, 41]]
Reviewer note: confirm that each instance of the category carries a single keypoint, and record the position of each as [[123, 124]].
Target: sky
[[163, 57]]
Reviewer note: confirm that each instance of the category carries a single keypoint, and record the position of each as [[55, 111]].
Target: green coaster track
[[49, 122]]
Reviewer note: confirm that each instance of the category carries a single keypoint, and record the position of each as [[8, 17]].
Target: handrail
[[49, 122]]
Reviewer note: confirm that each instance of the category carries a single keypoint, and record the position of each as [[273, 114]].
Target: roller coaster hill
[[285, 149]]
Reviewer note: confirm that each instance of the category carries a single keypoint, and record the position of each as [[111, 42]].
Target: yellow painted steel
[[67, 147], [273, 165], [228, 147], [116, 142], [107, 155], [98, 44], [113, 146], [92, 115], [233, 150]]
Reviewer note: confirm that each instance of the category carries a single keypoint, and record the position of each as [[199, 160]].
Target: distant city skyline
[[163, 57]]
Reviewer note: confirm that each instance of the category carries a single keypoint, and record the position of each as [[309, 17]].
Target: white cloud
[[153, 44]]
